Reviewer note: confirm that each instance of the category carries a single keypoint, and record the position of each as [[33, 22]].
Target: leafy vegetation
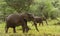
[[38, 7], [48, 8]]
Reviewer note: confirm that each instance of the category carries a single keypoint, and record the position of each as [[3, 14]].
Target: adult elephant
[[14, 20]]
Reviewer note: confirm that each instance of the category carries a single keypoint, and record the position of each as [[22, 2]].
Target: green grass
[[45, 30]]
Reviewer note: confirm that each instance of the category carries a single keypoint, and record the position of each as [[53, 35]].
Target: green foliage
[[5, 10], [46, 8], [20, 5]]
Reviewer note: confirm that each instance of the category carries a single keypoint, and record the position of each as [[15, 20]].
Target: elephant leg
[[6, 29], [42, 23], [14, 30], [39, 24], [26, 27], [36, 26], [46, 22], [23, 28]]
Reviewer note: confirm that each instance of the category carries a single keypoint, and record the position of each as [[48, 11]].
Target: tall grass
[[45, 30]]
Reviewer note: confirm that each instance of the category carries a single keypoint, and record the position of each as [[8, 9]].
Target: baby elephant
[[39, 20]]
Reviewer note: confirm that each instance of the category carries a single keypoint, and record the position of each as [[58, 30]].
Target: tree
[[55, 3], [45, 8], [20, 5]]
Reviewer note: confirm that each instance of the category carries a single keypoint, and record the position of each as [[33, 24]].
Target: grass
[[45, 30]]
